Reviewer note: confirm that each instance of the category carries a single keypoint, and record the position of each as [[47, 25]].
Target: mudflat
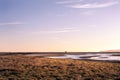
[[20, 67]]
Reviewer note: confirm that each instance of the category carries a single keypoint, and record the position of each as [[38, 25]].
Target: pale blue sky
[[59, 25]]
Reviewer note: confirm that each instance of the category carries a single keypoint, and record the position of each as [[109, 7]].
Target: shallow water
[[90, 56]]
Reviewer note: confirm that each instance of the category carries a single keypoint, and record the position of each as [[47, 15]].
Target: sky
[[59, 25]]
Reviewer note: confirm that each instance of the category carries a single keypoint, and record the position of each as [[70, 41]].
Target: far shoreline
[[49, 54]]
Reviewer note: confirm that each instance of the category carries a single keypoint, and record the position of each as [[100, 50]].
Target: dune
[[114, 50]]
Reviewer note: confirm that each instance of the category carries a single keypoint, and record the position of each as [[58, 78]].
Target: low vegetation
[[36, 68]]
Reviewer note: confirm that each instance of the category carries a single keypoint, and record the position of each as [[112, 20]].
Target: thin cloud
[[58, 31], [65, 30], [10, 23], [87, 4], [68, 1], [93, 5]]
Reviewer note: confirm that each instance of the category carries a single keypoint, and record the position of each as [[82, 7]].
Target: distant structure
[[65, 52]]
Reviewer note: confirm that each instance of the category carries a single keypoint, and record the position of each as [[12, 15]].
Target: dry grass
[[35, 68]]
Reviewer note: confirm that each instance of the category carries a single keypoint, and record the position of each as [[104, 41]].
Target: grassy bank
[[35, 68]]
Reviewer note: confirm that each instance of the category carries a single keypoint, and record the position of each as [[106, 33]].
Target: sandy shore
[[37, 68]]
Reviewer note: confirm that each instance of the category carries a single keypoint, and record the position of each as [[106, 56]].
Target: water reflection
[[105, 56]]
